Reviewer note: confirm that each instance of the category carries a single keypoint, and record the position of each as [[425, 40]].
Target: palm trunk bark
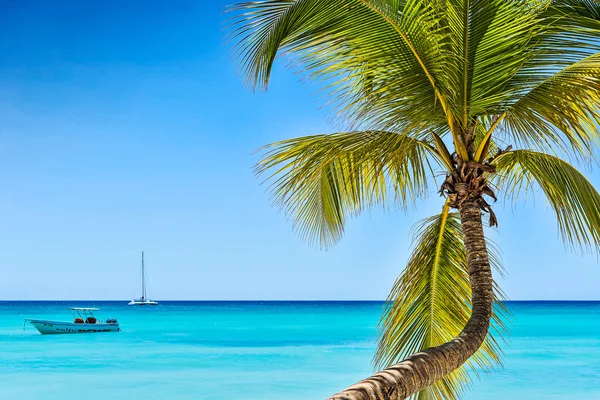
[[424, 368]]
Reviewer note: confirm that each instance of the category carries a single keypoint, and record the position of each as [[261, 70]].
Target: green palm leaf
[[320, 180], [416, 65], [572, 197], [430, 304], [560, 113], [580, 17], [489, 42], [354, 45]]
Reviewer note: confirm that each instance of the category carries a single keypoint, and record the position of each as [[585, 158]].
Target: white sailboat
[[143, 301]]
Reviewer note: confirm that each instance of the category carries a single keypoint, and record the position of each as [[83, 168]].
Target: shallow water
[[270, 350]]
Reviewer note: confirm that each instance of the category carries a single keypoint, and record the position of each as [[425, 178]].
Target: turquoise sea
[[270, 350]]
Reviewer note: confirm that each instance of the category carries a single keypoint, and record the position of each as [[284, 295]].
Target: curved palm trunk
[[424, 368]]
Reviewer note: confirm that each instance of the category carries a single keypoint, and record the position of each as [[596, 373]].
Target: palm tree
[[423, 86]]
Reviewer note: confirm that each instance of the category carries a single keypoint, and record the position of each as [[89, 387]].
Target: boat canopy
[[84, 314]]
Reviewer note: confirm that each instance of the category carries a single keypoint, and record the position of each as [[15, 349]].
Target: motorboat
[[84, 321], [143, 300]]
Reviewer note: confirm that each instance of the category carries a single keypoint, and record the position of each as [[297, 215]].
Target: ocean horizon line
[[263, 301]]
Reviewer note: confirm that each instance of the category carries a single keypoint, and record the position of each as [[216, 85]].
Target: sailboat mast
[[143, 279]]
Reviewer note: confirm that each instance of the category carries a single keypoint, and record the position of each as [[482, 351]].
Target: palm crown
[[496, 94]]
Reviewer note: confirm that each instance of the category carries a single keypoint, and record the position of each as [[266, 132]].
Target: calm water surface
[[270, 350]]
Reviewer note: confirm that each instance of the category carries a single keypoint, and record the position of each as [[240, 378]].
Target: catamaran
[[143, 301], [84, 321]]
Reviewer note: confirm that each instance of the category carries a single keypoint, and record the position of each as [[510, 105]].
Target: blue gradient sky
[[124, 127]]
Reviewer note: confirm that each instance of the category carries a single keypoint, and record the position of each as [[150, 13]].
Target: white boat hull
[[58, 327], [143, 303]]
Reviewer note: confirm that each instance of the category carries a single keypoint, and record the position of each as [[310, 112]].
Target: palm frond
[[430, 304], [561, 112], [321, 180], [380, 59], [404, 65], [579, 17], [573, 198], [489, 43]]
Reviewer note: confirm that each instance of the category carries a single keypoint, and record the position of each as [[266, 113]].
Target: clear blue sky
[[124, 127]]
